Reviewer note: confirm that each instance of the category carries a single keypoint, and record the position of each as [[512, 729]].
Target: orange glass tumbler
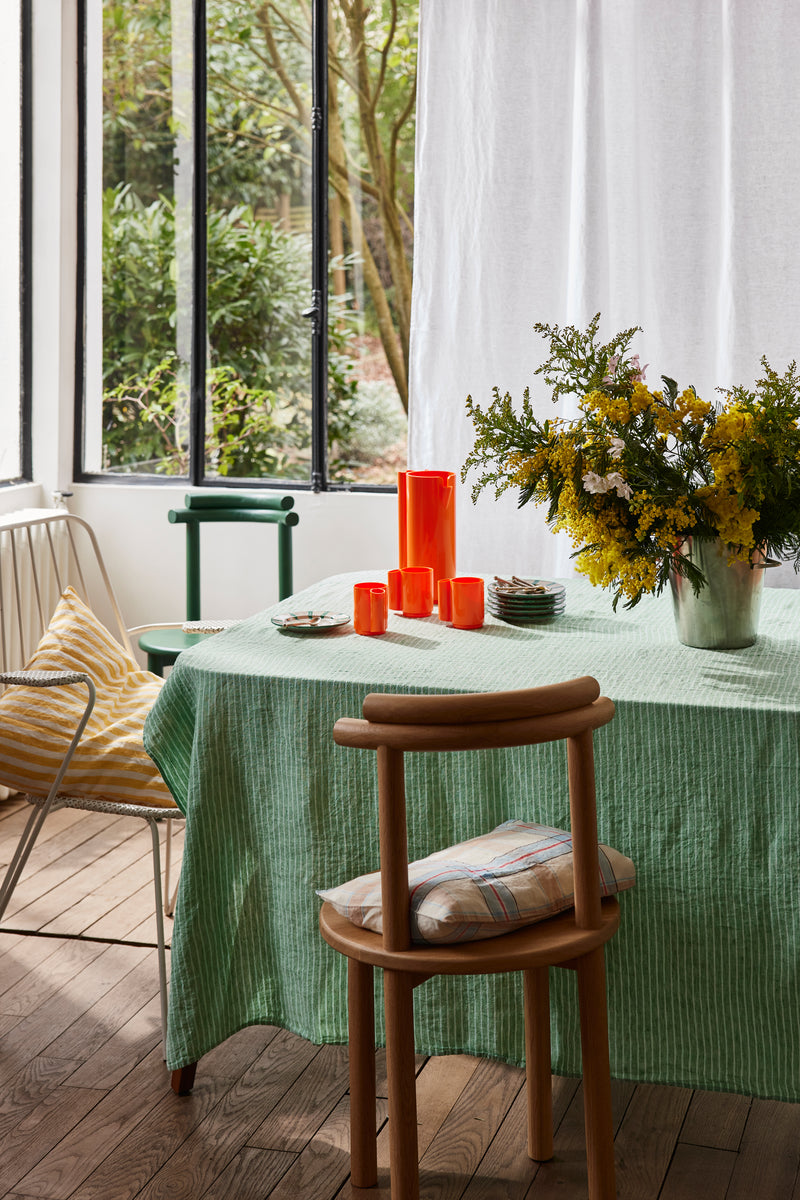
[[461, 601], [411, 591], [427, 521], [370, 608]]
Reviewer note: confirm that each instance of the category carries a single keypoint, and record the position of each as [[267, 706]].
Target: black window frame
[[316, 313], [26, 253]]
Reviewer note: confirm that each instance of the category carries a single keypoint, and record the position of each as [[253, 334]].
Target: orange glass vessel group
[[427, 571]]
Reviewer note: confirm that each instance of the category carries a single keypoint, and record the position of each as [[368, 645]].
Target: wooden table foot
[[183, 1079]]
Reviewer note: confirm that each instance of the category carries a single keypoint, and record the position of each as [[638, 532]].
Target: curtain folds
[[576, 157]]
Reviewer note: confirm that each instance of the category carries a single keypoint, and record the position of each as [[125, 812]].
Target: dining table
[[697, 781]]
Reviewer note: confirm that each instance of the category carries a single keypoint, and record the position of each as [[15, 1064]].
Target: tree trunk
[[337, 243], [389, 327], [396, 352], [368, 96]]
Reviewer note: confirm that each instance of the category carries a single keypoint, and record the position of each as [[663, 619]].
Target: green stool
[[163, 644]]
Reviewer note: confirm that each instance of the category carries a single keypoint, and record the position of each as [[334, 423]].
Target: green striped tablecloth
[[697, 781]]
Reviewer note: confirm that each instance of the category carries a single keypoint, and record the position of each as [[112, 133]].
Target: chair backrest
[[205, 507], [394, 724], [42, 551]]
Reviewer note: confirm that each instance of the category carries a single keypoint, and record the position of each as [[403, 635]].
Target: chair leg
[[162, 957], [538, 1068], [33, 825], [285, 585], [21, 854], [403, 1149], [169, 900], [596, 1075], [361, 1022], [39, 812]]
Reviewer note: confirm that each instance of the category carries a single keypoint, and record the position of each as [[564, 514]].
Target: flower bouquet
[[638, 470]]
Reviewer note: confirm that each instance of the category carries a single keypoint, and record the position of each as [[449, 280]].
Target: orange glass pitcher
[[427, 521]]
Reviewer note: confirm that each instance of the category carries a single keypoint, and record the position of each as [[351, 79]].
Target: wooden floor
[[86, 1112]]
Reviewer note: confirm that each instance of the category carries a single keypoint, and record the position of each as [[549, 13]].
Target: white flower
[[616, 448], [638, 372], [611, 369], [593, 482], [616, 481]]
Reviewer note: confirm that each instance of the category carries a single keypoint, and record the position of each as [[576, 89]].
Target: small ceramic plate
[[526, 601], [206, 626], [526, 619], [520, 614], [310, 622]]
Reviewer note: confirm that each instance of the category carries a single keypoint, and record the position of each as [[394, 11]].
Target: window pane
[[258, 393], [10, 244], [372, 63], [141, 295], [140, 193]]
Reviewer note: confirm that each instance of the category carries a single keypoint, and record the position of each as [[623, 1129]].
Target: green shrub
[[258, 382]]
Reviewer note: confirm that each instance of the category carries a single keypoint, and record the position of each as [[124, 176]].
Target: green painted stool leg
[[285, 572], [157, 662], [192, 571]]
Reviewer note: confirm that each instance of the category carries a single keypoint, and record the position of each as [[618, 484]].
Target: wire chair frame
[[42, 551]]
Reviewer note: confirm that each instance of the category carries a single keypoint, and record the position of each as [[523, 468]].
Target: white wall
[[54, 243], [337, 532]]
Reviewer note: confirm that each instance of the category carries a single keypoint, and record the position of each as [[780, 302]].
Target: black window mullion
[[319, 250], [197, 417], [78, 446]]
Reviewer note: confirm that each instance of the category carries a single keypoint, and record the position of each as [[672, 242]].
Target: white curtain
[[576, 156]]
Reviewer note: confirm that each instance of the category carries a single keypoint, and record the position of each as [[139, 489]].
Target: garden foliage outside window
[[161, 249]]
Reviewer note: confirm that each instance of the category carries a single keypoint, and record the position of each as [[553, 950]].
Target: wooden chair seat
[[162, 645]]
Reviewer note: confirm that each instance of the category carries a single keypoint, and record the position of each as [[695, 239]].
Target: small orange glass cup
[[411, 591], [461, 601], [370, 608]]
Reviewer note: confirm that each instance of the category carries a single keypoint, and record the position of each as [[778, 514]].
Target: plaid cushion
[[36, 724], [517, 874]]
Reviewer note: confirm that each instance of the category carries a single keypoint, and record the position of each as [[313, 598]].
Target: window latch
[[314, 313]]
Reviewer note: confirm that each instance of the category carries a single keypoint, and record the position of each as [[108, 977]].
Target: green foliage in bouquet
[[639, 469]]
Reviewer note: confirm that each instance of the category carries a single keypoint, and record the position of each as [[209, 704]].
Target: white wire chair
[[42, 551]]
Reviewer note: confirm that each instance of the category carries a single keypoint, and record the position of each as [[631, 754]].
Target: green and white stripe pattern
[[697, 781]]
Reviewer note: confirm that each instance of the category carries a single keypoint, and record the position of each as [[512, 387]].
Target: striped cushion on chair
[[36, 724], [516, 875]]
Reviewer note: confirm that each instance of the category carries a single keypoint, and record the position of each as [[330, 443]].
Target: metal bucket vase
[[724, 616]]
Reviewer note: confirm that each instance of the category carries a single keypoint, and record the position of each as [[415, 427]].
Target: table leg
[[183, 1079]]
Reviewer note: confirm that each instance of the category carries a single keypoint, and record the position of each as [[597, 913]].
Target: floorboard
[[86, 1112]]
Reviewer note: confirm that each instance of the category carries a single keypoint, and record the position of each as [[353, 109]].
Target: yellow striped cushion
[[36, 724]]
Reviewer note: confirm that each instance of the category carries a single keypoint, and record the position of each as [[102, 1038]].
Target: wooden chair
[[575, 939], [42, 552], [163, 643]]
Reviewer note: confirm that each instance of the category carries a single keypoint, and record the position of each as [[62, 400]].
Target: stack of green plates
[[518, 599]]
